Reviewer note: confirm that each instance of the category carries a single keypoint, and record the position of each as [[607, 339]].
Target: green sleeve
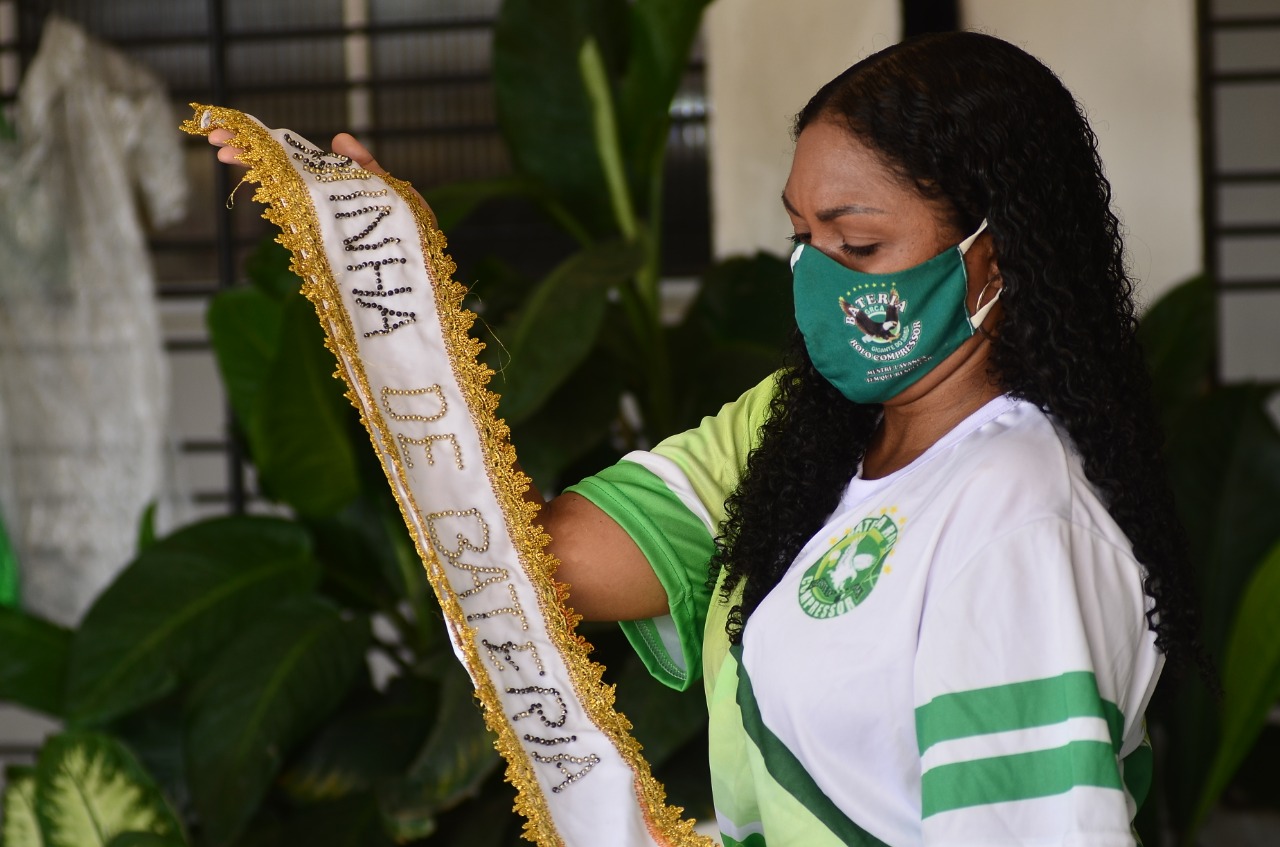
[[671, 502]]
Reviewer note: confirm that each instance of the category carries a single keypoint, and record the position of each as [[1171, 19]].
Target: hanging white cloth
[[83, 384]]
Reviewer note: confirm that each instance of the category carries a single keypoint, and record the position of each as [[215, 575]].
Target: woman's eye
[[798, 238], [860, 252]]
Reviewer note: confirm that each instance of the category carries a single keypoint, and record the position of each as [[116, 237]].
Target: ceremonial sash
[[372, 262]]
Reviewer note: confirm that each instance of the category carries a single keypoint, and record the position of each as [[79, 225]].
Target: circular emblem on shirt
[[845, 575]]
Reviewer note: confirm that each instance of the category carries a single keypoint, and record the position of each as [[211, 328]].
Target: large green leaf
[[145, 839], [272, 684], [1179, 339], [1224, 458], [577, 417], [661, 34], [156, 734], [269, 269], [604, 120], [371, 741], [1224, 464], [9, 588], [486, 821], [33, 661], [664, 719], [1251, 677], [244, 328], [359, 556], [450, 767], [353, 821], [297, 429], [147, 527], [733, 336], [175, 605], [556, 329], [19, 826], [454, 202], [89, 789], [545, 113], [542, 104], [747, 300], [370, 563]]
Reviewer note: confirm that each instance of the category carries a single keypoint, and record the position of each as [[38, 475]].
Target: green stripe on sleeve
[[1019, 705], [1022, 776], [788, 772], [678, 547], [755, 839]]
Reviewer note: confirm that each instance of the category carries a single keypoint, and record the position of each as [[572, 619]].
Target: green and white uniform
[[959, 657]]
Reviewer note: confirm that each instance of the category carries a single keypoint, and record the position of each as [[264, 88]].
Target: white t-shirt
[[960, 656]]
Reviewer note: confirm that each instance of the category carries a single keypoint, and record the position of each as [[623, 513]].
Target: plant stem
[[605, 124], [660, 422], [563, 217]]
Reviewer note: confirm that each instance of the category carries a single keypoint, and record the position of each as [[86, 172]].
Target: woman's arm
[[609, 578]]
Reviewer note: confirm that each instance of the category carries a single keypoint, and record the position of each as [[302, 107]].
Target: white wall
[[765, 59], [1131, 63]]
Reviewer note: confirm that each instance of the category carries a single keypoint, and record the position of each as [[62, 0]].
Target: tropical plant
[[1223, 453], [266, 680], [582, 92]]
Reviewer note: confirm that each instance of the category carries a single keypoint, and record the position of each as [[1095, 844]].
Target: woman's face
[[845, 202]]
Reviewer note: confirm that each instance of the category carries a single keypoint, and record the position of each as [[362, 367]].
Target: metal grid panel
[[1240, 128]]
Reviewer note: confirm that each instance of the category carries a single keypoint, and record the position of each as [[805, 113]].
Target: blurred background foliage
[[266, 680], [1223, 453]]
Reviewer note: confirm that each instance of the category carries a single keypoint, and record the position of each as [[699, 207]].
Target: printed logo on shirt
[[844, 575]]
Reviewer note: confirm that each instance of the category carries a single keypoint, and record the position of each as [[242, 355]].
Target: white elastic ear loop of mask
[[981, 315], [978, 317], [968, 242]]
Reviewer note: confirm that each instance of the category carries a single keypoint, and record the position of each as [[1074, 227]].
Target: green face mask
[[872, 335]]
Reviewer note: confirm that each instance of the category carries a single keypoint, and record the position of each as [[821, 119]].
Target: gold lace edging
[[289, 207]]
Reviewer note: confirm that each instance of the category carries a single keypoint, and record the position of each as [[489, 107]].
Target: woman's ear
[[983, 269]]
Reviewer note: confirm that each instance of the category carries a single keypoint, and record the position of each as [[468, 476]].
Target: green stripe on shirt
[[1022, 776], [1019, 705], [789, 772]]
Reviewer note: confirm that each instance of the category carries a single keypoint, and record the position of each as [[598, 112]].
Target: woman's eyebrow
[[837, 211]]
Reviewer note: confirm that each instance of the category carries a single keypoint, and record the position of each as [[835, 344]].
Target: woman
[[929, 571], [950, 572]]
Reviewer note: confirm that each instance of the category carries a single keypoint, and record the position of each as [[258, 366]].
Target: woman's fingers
[[227, 155], [344, 144]]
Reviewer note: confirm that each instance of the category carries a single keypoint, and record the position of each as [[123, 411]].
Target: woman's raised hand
[[344, 144]]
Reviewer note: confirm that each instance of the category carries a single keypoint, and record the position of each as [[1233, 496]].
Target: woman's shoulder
[[1020, 466]]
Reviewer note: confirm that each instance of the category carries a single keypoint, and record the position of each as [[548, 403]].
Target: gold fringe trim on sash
[[289, 207]]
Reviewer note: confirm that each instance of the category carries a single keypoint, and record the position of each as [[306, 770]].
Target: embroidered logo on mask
[[845, 575], [878, 317]]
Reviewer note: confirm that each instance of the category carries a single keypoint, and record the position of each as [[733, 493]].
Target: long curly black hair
[[978, 123]]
